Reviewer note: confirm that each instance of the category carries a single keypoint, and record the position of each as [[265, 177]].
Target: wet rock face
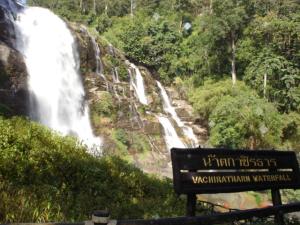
[[152, 128], [7, 31], [85, 48], [13, 75], [13, 81]]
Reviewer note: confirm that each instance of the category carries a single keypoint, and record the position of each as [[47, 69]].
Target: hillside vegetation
[[46, 177]]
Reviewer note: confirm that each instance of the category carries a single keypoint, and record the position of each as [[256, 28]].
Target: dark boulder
[[7, 30], [13, 81]]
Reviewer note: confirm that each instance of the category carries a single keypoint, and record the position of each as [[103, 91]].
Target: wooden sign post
[[198, 171]]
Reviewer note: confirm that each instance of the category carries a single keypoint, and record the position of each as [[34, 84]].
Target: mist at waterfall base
[[57, 95]]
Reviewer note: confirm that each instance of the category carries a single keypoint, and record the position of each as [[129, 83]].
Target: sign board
[[220, 170]]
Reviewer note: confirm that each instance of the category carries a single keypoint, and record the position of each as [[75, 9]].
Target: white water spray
[[168, 108], [57, 94], [115, 74], [137, 82], [171, 137]]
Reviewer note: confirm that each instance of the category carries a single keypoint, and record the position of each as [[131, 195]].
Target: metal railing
[[103, 218]]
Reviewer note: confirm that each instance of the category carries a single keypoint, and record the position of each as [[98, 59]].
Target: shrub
[[46, 177], [245, 121], [102, 23], [105, 105], [140, 143], [121, 140], [205, 98], [237, 117]]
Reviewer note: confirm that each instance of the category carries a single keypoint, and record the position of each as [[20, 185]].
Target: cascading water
[[137, 82], [115, 74], [116, 80], [111, 50], [171, 137], [99, 65], [168, 108], [57, 94]]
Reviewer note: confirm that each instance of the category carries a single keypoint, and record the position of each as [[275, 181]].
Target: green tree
[[279, 34], [222, 27], [154, 43], [236, 116], [245, 121], [275, 78]]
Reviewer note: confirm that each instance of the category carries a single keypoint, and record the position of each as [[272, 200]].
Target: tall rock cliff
[[130, 128], [13, 75]]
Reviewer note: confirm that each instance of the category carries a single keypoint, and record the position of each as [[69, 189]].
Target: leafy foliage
[[102, 23], [237, 117], [282, 78], [51, 178], [151, 43], [105, 105], [121, 139], [291, 131], [140, 143], [245, 121], [206, 98]]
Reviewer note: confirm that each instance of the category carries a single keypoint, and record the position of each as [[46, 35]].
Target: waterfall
[[137, 82], [115, 74], [57, 93], [171, 137], [111, 50], [99, 65], [136, 117], [168, 108]]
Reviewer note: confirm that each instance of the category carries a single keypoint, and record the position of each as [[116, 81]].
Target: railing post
[[100, 217], [276, 199], [191, 205]]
